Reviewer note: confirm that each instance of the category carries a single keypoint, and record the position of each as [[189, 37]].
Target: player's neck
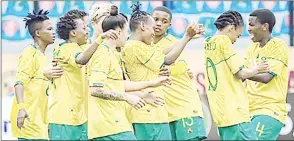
[[40, 45], [136, 36], [112, 44], [266, 39], [158, 38]]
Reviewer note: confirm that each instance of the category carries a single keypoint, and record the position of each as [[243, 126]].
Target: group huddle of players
[[138, 86]]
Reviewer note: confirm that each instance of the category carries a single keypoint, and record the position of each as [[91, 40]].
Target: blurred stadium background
[[15, 38]]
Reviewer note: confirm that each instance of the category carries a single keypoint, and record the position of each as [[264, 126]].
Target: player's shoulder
[[29, 51], [132, 45], [170, 37], [278, 42]]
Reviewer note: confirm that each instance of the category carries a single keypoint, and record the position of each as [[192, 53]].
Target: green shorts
[[23, 139], [241, 131], [192, 128], [152, 131], [120, 136], [68, 132], [266, 127]]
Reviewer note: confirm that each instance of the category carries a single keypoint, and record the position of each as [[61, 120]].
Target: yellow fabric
[[106, 117], [226, 94], [269, 99], [181, 97], [30, 74], [68, 101], [142, 63], [85, 78]]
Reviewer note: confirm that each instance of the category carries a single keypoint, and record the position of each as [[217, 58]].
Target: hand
[[162, 80], [152, 99], [194, 31], [164, 71], [135, 101], [109, 34], [190, 73], [53, 72], [22, 115], [262, 67]]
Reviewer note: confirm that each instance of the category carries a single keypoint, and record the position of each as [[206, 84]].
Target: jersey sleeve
[[179, 67], [235, 62], [68, 54], [277, 59], [100, 66], [150, 57], [26, 65]]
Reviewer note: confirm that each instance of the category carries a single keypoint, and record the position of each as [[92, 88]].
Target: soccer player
[[143, 62], [29, 109], [67, 113], [225, 71], [267, 96], [107, 113], [182, 99]]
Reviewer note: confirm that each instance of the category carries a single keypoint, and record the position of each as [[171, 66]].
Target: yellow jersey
[[142, 63], [226, 94], [68, 101], [30, 73], [269, 99], [105, 71], [182, 98]]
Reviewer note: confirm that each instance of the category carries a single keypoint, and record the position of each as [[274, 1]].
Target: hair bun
[[113, 10]]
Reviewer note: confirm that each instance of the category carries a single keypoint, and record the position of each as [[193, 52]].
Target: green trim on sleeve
[[77, 54], [18, 82], [241, 68], [97, 84], [272, 73]]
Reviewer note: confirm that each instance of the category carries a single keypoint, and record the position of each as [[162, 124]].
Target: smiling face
[[255, 29], [81, 32], [148, 30]]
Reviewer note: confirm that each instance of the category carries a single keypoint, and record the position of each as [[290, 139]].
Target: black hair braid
[[137, 16], [40, 16], [228, 18]]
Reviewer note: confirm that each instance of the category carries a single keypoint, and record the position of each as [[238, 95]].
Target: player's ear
[[37, 33], [142, 26], [73, 33], [231, 28], [265, 26]]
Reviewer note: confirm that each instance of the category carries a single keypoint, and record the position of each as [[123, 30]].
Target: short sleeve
[[179, 67], [100, 66], [150, 57], [68, 54], [277, 59], [25, 71], [235, 62]]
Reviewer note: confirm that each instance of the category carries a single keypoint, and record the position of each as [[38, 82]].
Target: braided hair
[[137, 16], [230, 17], [32, 20]]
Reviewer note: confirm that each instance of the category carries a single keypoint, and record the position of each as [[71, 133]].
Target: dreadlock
[[230, 17], [33, 19], [137, 16], [65, 25], [80, 14]]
